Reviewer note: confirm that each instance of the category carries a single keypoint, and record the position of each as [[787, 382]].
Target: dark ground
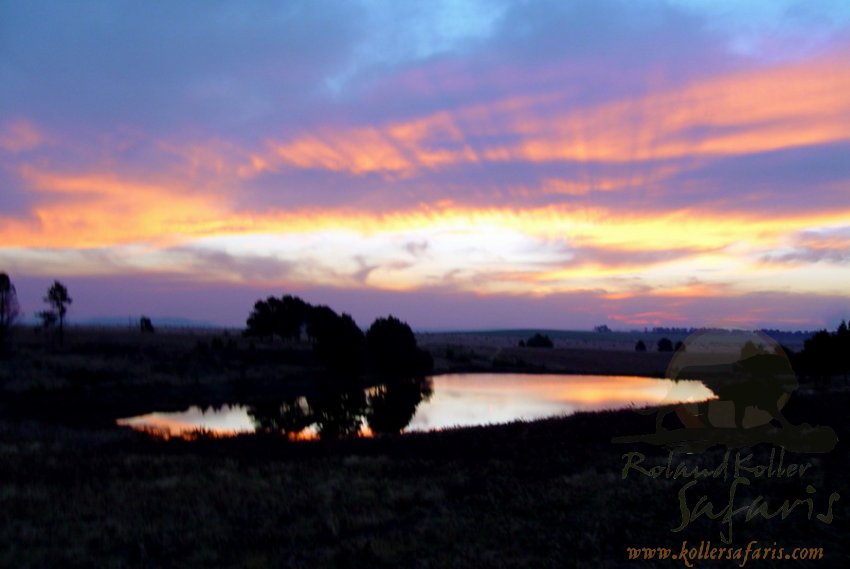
[[541, 494]]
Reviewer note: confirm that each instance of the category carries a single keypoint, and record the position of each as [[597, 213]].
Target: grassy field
[[543, 494]]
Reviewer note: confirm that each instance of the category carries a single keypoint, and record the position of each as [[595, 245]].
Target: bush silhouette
[[665, 345], [640, 346], [540, 341]]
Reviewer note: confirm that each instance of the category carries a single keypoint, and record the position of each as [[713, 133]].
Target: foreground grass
[[542, 494]]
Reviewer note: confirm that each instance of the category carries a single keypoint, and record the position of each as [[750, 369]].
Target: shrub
[[540, 341]]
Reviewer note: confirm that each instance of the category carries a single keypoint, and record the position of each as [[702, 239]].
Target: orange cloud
[[356, 151], [486, 249], [102, 209], [754, 111]]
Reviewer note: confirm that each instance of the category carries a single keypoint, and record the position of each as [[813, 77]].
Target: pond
[[434, 403]]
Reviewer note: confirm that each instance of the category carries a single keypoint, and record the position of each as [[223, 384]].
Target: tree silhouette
[[640, 346], [9, 307], [284, 317], [821, 357], [340, 346], [145, 325], [57, 297], [291, 316], [392, 351], [665, 345], [337, 340], [540, 341], [261, 320], [320, 321]]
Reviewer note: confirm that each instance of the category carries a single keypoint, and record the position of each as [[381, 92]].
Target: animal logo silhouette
[[751, 379]]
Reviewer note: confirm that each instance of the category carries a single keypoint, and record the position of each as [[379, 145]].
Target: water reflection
[[337, 411], [224, 420], [392, 406], [289, 417]]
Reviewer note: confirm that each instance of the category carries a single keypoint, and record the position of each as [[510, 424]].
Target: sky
[[459, 164]]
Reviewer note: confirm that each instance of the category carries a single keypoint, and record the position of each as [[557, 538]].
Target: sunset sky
[[470, 164]]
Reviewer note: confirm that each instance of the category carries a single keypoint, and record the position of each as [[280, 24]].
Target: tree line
[[387, 349], [825, 355], [663, 345]]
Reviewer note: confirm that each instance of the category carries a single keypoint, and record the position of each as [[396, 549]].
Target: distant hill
[[133, 321], [624, 339]]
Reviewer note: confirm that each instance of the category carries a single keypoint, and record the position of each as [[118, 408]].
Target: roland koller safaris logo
[[725, 450]]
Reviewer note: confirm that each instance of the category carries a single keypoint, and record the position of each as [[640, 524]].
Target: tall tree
[[392, 351], [9, 308], [57, 297], [261, 321], [282, 317]]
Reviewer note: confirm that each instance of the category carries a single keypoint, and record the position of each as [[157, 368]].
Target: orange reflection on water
[[461, 400], [476, 399], [192, 423]]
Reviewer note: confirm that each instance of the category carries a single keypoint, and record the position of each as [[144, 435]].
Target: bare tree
[[57, 297]]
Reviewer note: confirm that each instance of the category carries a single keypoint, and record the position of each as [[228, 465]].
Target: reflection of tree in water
[[392, 405], [337, 411], [288, 417]]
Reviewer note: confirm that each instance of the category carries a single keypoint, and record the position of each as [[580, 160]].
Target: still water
[[439, 402]]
